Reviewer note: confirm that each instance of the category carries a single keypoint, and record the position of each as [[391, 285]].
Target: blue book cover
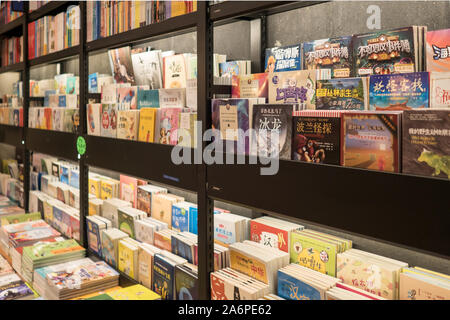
[[93, 83], [34, 177], [229, 69], [57, 218], [163, 277], [74, 180], [184, 251], [286, 58], [291, 288], [93, 236], [341, 94], [180, 218], [62, 102], [193, 220], [64, 174], [71, 85], [147, 99], [396, 92], [47, 97]]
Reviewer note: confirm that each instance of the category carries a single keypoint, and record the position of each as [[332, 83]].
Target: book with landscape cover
[[342, 94]]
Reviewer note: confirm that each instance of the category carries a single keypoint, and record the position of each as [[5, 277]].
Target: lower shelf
[[406, 210], [54, 143]]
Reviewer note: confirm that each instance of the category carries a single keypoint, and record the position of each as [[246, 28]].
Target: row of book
[[11, 116], [54, 33], [34, 5], [11, 181], [11, 100], [106, 18], [9, 11], [11, 51], [66, 83], [401, 50], [57, 119]]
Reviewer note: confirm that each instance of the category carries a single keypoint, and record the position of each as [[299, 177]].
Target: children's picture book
[[172, 98], [370, 140], [109, 120], [438, 50], [330, 53], [287, 58], [71, 120], [296, 87], [147, 118], [127, 124], [342, 94], [94, 112], [272, 125], [316, 137], [250, 86], [93, 83], [229, 69], [147, 68], [147, 99], [385, 52], [174, 72], [167, 125], [440, 89], [127, 97], [186, 130], [425, 144], [394, 92], [121, 65]]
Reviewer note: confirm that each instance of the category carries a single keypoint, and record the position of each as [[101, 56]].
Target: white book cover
[[147, 68], [440, 89], [94, 118], [174, 72]]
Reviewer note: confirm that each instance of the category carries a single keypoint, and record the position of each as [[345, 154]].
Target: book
[[167, 125], [250, 86], [180, 216], [164, 274], [127, 98], [330, 53], [134, 292], [109, 120], [425, 148], [186, 131], [127, 261], [404, 91], [286, 58], [385, 52], [317, 137], [147, 68], [370, 140], [437, 52], [147, 98], [110, 244], [421, 284], [13, 288], [144, 196], [174, 72], [128, 188], [186, 282], [342, 94], [296, 87], [121, 65], [439, 89], [272, 125], [172, 98], [127, 124], [94, 112], [161, 207], [127, 217]]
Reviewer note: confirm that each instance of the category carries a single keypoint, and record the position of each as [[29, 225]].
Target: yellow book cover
[[106, 191], [48, 212], [94, 208], [433, 272], [248, 265], [95, 187], [126, 259], [162, 207], [135, 292], [147, 117], [178, 8]]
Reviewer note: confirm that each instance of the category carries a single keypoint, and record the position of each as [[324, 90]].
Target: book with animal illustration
[[425, 145]]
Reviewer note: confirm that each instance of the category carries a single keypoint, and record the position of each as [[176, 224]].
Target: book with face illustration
[[167, 125]]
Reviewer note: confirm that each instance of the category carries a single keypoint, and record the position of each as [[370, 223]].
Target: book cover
[[297, 87], [162, 241], [94, 240], [316, 138], [121, 65], [341, 94], [439, 89], [330, 53], [426, 144], [147, 118], [414, 287], [147, 68], [71, 116], [93, 83], [109, 121], [58, 119], [393, 92], [127, 124], [186, 284], [250, 86], [147, 99], [172, 98], [272, 121], [370, 140], [437, 50], [127, 96], [384, 52], [174, 72], [186, 130], [291, 288], [229, 69], [163, 277], [94, 111], [126, 259], [126, 223], [180, 217], [250, 266], [269, 235], [286, 58], [167, 125], [128, 189]]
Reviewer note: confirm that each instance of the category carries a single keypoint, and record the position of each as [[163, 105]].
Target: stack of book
[[229, 284], [46, 254], [146, 255], [110, 209], [422, 284], [11, 50], [95, 226], [344, 291], [164, 266], [74, 278], [13, 288], [128, 253], [5, 267], [230, 228]]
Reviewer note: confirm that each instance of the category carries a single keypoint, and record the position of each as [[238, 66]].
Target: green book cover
[[313, 253], [126, 223], [147, 99], [48, 250], [21, 217], [103, 296]]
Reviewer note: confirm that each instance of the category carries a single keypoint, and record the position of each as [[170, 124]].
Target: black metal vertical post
[[263, 42], [26, 105], [82, 129], [205, 205]]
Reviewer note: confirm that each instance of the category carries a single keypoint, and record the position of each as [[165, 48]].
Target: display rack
[[401, 209]]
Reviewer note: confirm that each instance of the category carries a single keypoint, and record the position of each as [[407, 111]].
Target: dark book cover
[[269, 119], [316, 138], [163, 277], [426, 143], [370, 140], [384, 52], [186, 283]]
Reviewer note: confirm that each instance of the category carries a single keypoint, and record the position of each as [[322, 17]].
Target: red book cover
[[269, 236], [217, 288], [250, 86], [162, 242], [48, 118], [31, 39]]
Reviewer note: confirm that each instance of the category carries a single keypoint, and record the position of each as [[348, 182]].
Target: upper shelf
[[51, 8], [15, 24], [398, 208], [165, 28], [56, 56], [150, 161], [254, 9]]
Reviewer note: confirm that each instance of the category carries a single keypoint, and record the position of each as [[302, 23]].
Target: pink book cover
[[128, 95], [168, 122], [128, 188], [437, 50]]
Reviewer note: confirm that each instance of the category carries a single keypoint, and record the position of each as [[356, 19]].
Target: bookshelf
[[405, 210]]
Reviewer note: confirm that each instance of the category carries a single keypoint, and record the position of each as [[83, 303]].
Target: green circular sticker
[[81, 145]]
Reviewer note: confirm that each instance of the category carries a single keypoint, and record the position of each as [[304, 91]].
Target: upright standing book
[[286, 58], [121, 65], [342, 94], [438, 50], [147, 68]]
